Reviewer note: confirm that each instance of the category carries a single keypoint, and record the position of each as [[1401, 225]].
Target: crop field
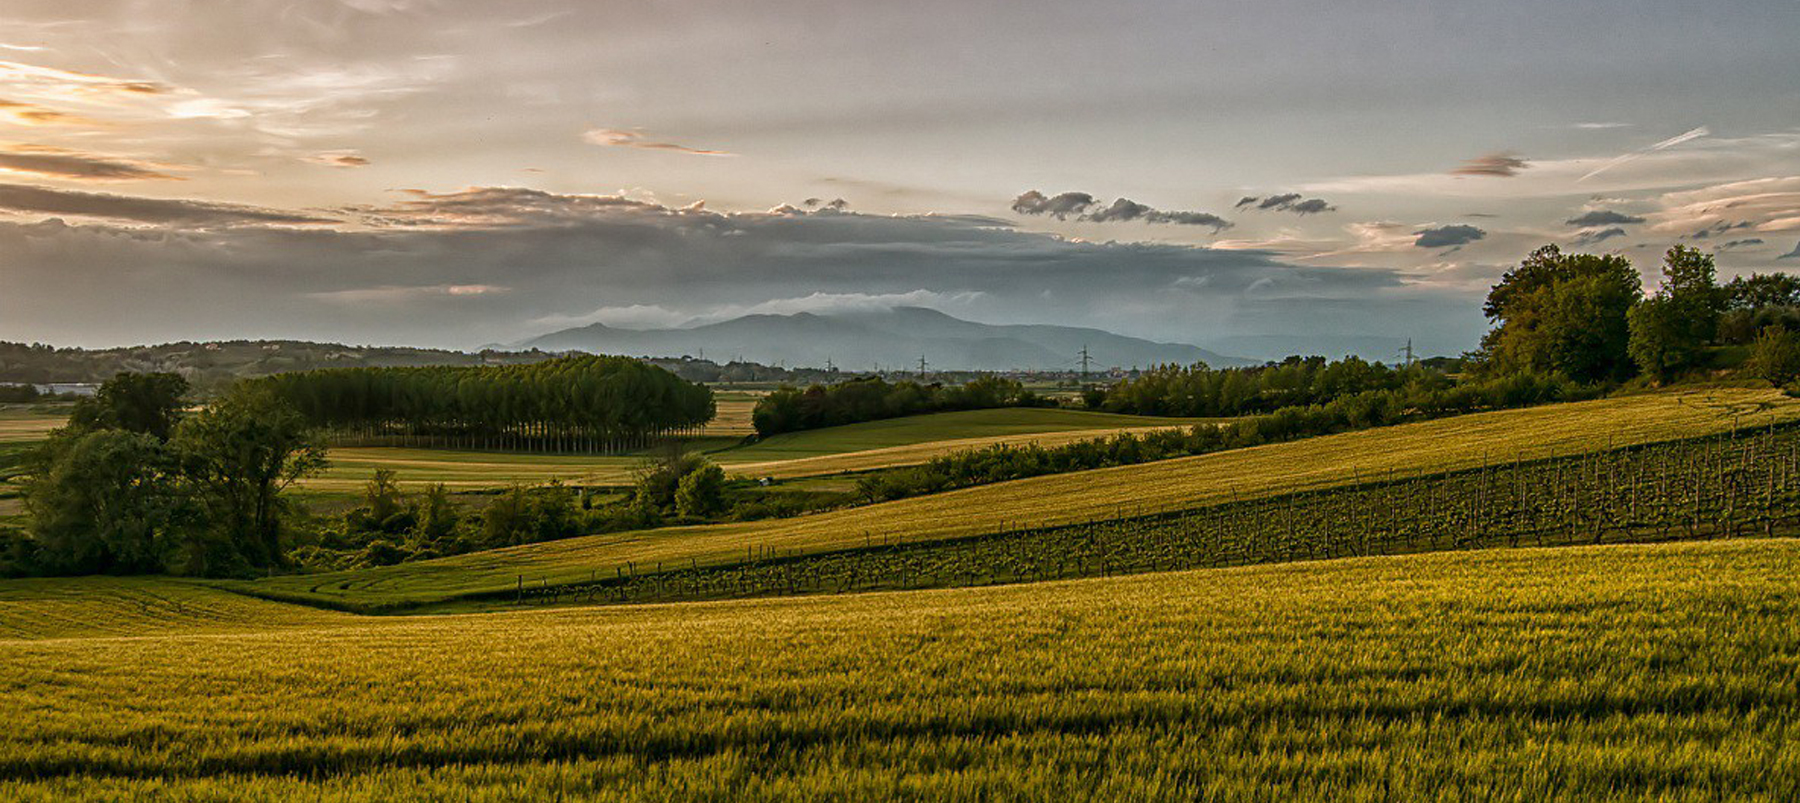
[[54, 608], [856, 447], [1720, 487], [1445, 445], [1605, 673], [26, 427]]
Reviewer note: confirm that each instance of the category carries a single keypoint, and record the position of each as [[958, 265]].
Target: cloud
[[1060, 206], [1718, 228], [1794, 254], [565, 256], [27, 199], [1493, 164], [1595, 236], [1765, 204], [1736, 244], [1286, 202], [1122, 210], [29, 114], [1601, 126], [55, 82], [1637, 154], [1602, 217], [630, 138], [391, 294], [1448, 236], [339, 159], [67, 164]]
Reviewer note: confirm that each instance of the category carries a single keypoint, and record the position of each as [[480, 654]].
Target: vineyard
[[1725, 486]]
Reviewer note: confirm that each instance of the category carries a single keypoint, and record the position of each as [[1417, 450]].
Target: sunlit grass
[[1591, 673]]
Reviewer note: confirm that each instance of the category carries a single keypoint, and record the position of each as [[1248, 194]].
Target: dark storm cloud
[[27, 199], [66, 164], [1603, 217], [1282, 201], [1794, 254], [1448, 236], [1122, 210], [1720, 227], [1746, 243], [479, 266], [1060, 207], [1499, 165], [1286, 202], [1591, 237]]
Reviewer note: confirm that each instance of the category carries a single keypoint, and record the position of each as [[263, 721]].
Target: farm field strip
[[69, 607], [856, 447], [1615, 672], [1440, 446], [1721, 487], [22, 427]]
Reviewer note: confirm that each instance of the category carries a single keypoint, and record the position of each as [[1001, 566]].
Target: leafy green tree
[[437, 518], [1775, 357], [1563, 313], [1760, 290], [150, 404], [242, 453], [1659, 343], [701, 493], [104, 501], [1671, 330]]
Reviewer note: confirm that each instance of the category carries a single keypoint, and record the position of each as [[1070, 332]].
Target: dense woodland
[[792, 409], [568, 404]]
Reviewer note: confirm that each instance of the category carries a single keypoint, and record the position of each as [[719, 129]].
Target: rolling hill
[[1442, 445]]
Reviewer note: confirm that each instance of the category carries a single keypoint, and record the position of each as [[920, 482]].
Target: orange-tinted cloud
[[622, 138], [67, 164]]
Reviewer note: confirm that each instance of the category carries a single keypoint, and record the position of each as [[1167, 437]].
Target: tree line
[[791, 409], [1585, 316], [1360, 410], [569, 404]]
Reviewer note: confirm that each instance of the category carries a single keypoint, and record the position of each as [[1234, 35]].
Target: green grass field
[[1315, 463], [856, 447], [1593, 673]]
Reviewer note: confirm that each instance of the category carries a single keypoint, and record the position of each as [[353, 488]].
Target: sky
[[1256, 178]]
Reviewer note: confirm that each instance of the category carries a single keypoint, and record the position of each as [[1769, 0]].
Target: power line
[[1085, 359]]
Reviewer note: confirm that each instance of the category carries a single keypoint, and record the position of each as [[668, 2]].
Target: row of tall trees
[[1586, 317], [136, 484], [569, 404], [790, 409], [1199, 391]]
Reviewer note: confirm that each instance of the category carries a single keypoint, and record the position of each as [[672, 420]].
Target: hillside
[[1621, 672], [1433, 446], [893, 338]]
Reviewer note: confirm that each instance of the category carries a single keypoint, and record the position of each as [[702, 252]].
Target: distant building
[[68, 388]]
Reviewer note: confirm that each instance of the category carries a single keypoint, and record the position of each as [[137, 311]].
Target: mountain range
[[894, 338]]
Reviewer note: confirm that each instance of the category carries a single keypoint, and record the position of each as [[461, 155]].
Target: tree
[[150, 404], [104, 501], [1563, 313], [1659, 345], [701, 493], [241, 453], [1670, 330], [1760, 290], [1775, 357]]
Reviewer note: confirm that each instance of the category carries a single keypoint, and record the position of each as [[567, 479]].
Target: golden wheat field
[[1591, 673], [1314, 463]]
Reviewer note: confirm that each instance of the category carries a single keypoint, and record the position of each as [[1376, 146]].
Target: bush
[[1775, 357]]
